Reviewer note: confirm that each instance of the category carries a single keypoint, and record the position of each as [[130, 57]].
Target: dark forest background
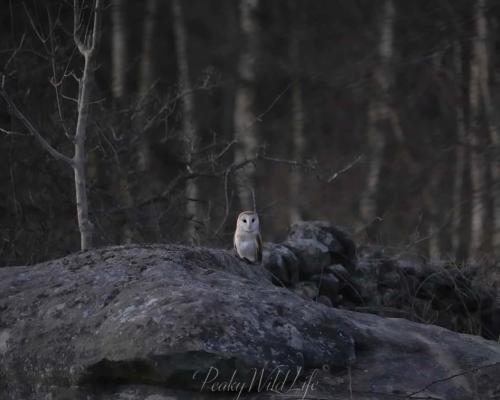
[[378, 115]]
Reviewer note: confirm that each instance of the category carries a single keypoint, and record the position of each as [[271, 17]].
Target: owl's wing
[[258, 239]]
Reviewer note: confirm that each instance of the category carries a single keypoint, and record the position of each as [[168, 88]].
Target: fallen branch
[[448, 378]]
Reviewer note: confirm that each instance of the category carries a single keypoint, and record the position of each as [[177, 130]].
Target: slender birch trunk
[[434, 237], [478, 183], [146, 73], [460, 156], [495, 175], [118, 89], [379, 113], [87, 48], [296, 181], [118, 49], [434, 243], [477, 160], [482, 55], [188, 118], [244, 118], [433, 215], [297, 122], [79, 159], [142, 188], [431, 196]]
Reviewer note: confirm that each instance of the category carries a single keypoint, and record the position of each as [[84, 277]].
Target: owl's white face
[[248, 221]]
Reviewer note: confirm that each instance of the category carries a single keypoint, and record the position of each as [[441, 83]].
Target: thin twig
[[448, 378], [26, 122], [346, 168], [7, 132], [274, 102], [14, 53], [54, 72]]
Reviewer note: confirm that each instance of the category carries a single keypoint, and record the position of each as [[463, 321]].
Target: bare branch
[[310, 166], [170, 104], [274, 102], [14, 53], [293, 163], [38, 33], [346, 168], [52, 27], [69, 98], [96, 30], [224, 150], [87, 46], [448, 378], [72, 75], [26, 122], [7, 132], [77, 16]]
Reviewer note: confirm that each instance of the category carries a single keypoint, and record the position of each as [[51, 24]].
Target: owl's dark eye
[[253, 219], [245, 221]]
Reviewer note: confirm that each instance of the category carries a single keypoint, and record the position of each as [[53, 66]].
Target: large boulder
[[282, 263], [463, 298], [310, 247], [165, 322], [338, 242], [155, 315], [313, 255]]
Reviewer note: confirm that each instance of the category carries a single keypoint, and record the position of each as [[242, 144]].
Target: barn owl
[[247, 241]]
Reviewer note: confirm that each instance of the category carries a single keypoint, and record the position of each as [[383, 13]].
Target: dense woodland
[[158, 121]]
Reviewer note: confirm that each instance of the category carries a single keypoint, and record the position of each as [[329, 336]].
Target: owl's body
[[247, 241]]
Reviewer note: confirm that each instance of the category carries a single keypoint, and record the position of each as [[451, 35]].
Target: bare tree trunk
[[118, 89], [478, 182], [477, 161], [430, 201], [460, 157], [296, 177], [379, 113], [146, 81], [188, 118], [482, 56], [431, 194], [244, 118], [142, 186], [87, 48], [84, 223], [495, 175], [434, 242], [118, 49], [298, 138], [127, 233]]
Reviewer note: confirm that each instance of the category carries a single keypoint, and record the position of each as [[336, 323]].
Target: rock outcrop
[[165, 322], [318, 261]]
